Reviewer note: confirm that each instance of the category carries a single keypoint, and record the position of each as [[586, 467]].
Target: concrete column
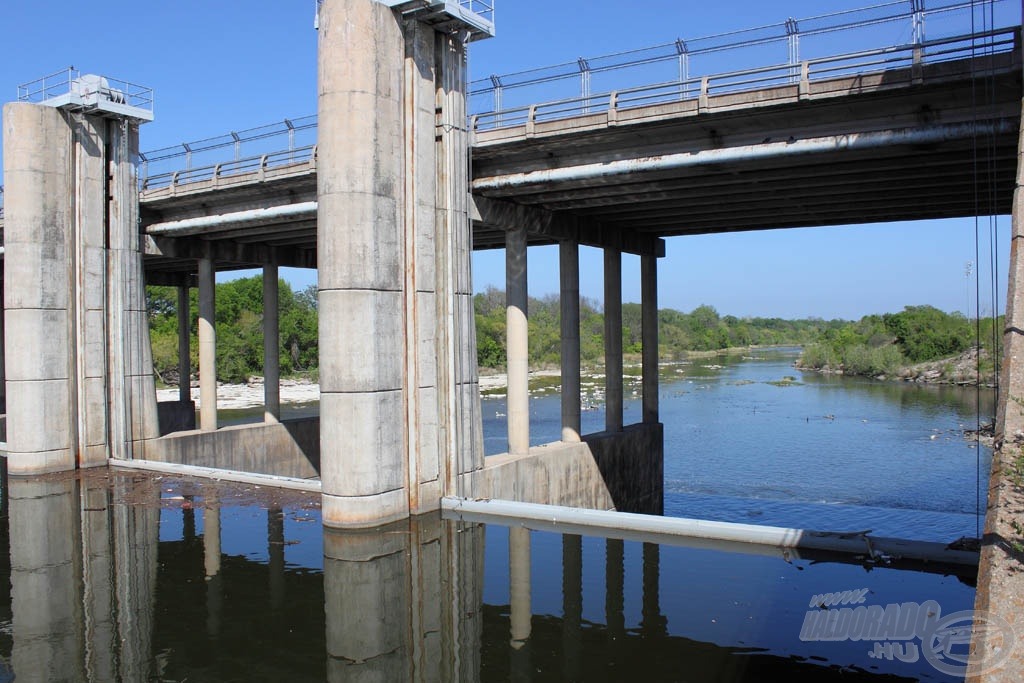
[[518, 342], [41, 432], [207, 346], [131, 389], [360, 245], [569, 272], [1010, 411], [271, 347], [3, 370], [649, 335], [184, 341], [519, 586], [613, 339]]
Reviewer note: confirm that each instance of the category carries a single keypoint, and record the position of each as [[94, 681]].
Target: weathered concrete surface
[[1000, 589], [1010, 412], [37, 293], [555, 474], [287, 449]]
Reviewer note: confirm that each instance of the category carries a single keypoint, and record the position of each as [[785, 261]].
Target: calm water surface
[[135, 578]]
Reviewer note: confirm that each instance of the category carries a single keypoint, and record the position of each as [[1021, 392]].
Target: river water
[[751, 439], [125, 576]]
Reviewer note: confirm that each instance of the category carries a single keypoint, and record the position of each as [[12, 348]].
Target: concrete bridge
[[387, 206]]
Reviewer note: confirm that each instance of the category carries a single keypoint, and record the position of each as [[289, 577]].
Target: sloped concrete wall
[[285, 449]]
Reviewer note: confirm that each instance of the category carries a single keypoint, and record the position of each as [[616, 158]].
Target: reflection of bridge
[[136, 582], [374, 195]]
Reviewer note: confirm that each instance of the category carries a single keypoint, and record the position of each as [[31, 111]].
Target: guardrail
[[70, 81], [225, 173], [908, 59], [659, 74], [890, 23]]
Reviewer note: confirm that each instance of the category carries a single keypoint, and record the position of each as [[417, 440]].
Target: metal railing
[[885, 36], [223, 174], [71, 81], [484, 8], [907, 59], [790, 42], [286, 141]]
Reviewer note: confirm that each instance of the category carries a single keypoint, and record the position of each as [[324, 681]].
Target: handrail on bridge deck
[[638, 78]]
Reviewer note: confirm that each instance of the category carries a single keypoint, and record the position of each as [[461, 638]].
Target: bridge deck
[[892, 145]]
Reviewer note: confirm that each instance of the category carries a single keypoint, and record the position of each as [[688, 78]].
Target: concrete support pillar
[[207, 346], [518, 342], [613, 339], [569, 272], [519, 586], [364, 465], [1010, 411], [3, 368], [271, 347], [74, 278], [41, 432], [649, 335], [184, 352]]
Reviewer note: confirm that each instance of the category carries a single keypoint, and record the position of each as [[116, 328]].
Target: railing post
[[613, 108], [793, 38], [804, 91], [917, 66], [238, 145], [684, 66], [498, 92], [702, 102], [531, 121], [917, 20], [584, 84]]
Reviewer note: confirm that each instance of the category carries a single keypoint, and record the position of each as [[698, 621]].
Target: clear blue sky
[[229, 64]]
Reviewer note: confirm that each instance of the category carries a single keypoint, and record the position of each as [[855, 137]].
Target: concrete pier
[[184, 352], [207, 345], [569, 274], [517, 342], [399, 403], [613, 339], [73, 272], [271, 346]]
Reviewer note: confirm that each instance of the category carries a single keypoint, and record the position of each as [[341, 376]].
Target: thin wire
[[977, 286]]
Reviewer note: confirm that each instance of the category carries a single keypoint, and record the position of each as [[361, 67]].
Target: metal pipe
[[274, 481], [186, 226], [626, 525], [772, 150]]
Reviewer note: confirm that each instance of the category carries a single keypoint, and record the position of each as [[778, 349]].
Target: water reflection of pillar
[[83, 574], [653, 624], [366, 593], [464, 594], [519, 596], [45, 581], [211, 562], [275, 551], [136, 542], [572, 607], [614, 602]]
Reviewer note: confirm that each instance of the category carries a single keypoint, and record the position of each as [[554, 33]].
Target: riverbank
[[962, 370]]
